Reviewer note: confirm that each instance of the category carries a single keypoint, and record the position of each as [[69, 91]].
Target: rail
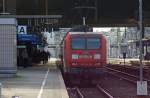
[[104, 91], [79, 92]]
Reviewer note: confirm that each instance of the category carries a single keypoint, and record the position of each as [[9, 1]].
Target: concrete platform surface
[[35, 82]]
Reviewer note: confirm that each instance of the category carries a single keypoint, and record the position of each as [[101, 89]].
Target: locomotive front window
[[93, 43], [78, 43]]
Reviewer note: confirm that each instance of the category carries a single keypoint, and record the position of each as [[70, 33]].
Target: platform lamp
[[4, 9], [141, 85], [3, 6], [46, 7]]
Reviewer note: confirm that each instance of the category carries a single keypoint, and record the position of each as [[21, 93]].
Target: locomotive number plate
[[84, 56]]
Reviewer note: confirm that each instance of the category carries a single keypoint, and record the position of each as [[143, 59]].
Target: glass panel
[[78, 43], [93, 43]]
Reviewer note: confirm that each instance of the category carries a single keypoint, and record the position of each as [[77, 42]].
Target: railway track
[[74, 93], [93, 92], [115, 85], [112, 87], [126, 76], [129, 69]]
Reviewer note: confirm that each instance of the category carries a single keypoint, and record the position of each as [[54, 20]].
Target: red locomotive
[[83, 51]]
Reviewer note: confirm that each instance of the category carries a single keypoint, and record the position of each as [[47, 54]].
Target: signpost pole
[[141, 85], [140, 30]]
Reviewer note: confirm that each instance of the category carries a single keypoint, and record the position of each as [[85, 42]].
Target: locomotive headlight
[[97, 56], [75, 56]]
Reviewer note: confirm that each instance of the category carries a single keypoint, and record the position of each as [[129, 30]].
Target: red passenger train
[[83, 52]]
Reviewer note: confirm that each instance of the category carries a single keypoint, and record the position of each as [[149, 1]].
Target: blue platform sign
[[28, 38]]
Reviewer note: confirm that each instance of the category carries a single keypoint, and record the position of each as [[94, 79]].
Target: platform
[[128, 61], [35, 82]]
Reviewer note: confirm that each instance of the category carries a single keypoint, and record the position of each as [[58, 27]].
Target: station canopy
[[96, 12]]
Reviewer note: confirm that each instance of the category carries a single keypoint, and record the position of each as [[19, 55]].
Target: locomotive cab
[[84, 51]]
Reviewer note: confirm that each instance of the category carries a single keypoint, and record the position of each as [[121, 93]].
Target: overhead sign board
[[22, 29]]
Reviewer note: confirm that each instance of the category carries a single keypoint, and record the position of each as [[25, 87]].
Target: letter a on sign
[[22, 29]]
